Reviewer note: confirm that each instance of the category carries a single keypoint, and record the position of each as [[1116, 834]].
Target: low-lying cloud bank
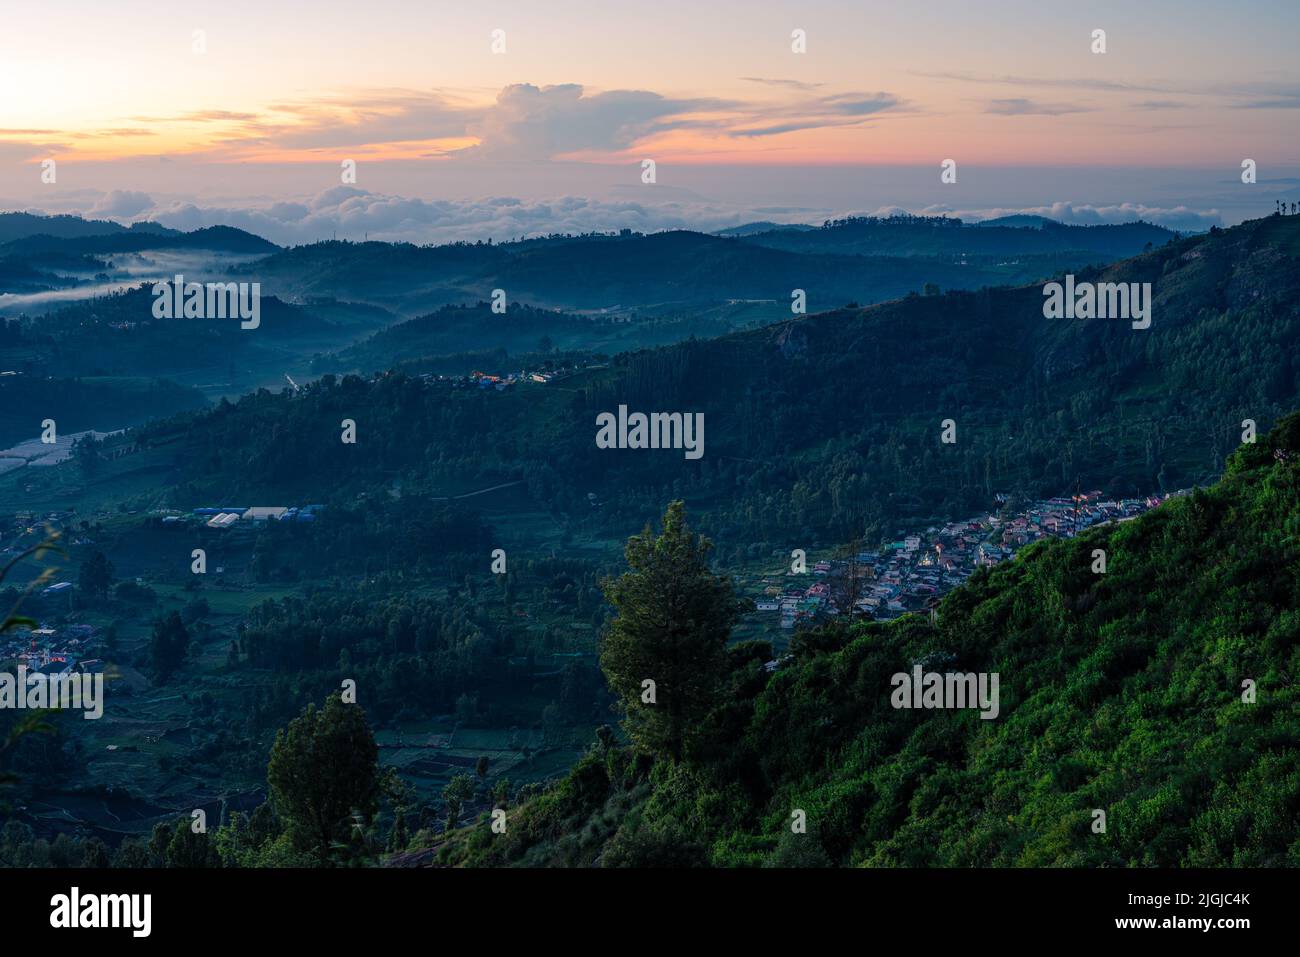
[[347, 212]]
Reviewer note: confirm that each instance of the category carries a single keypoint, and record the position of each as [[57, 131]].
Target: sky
[[191, 113]]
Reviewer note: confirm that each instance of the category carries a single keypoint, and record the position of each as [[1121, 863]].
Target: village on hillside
[[907, 575], [913, 573]]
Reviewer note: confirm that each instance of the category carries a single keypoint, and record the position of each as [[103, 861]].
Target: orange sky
[[1180, 83]]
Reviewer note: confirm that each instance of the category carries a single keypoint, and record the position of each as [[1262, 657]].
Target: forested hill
[[935, 236], [17, 225], [680, 267], [1124, 692], [829, 425], [141, 236]]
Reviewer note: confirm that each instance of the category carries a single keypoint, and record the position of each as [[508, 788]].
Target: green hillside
[[937, 236], [676, 267], [1120, 692], [827, 427]]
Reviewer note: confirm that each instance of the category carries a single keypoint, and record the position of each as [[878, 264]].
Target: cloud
[[1021, 107], [787, 84], [17, 152], [1076, 83], [351, 213], [1276, 103], [374, 117], [530, 122], [1254, 95], [111, 132], [121, 203], [855, 104], [838, 110], [525, 122], [1264, 95], [790, 127]]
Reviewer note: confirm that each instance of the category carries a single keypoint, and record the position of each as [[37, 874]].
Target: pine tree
[[168, 646], [324, 768], [673, 619], [96, 575]]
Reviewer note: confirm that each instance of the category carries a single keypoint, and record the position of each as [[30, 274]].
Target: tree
[[458, 791], [168, 646], [324, 768], [34, 722], [95, 853], [96, 575], [552, 725], [673, 619], [85, 451], [195, 610], [188, 849], [398, 839], [466, 708], [798, 851]]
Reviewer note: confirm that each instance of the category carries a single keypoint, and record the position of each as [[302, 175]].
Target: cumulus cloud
[[121, 204], [352, 213], [349, 212], [530, 122], [525, 122]]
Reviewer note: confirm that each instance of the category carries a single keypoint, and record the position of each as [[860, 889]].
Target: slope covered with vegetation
[[938, 236], [1121, 692], [828, 426], [677, 266]]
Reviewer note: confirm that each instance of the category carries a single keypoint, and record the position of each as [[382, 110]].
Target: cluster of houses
[[485, 381], [911, 574], [506, 380], [55, 651], [22, 526], [227, 515]]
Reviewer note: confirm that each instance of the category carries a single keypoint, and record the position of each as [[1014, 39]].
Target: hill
[[118, 335], [455, 338], [103, 403], [16, 226], [828, 427], [1120, 693], [1019, 236], [1019, 220], [224, 239], [763, 226], [677, 268]]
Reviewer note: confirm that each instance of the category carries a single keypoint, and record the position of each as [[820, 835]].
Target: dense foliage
[[828, 427], [1122, 692], [664, 652]]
